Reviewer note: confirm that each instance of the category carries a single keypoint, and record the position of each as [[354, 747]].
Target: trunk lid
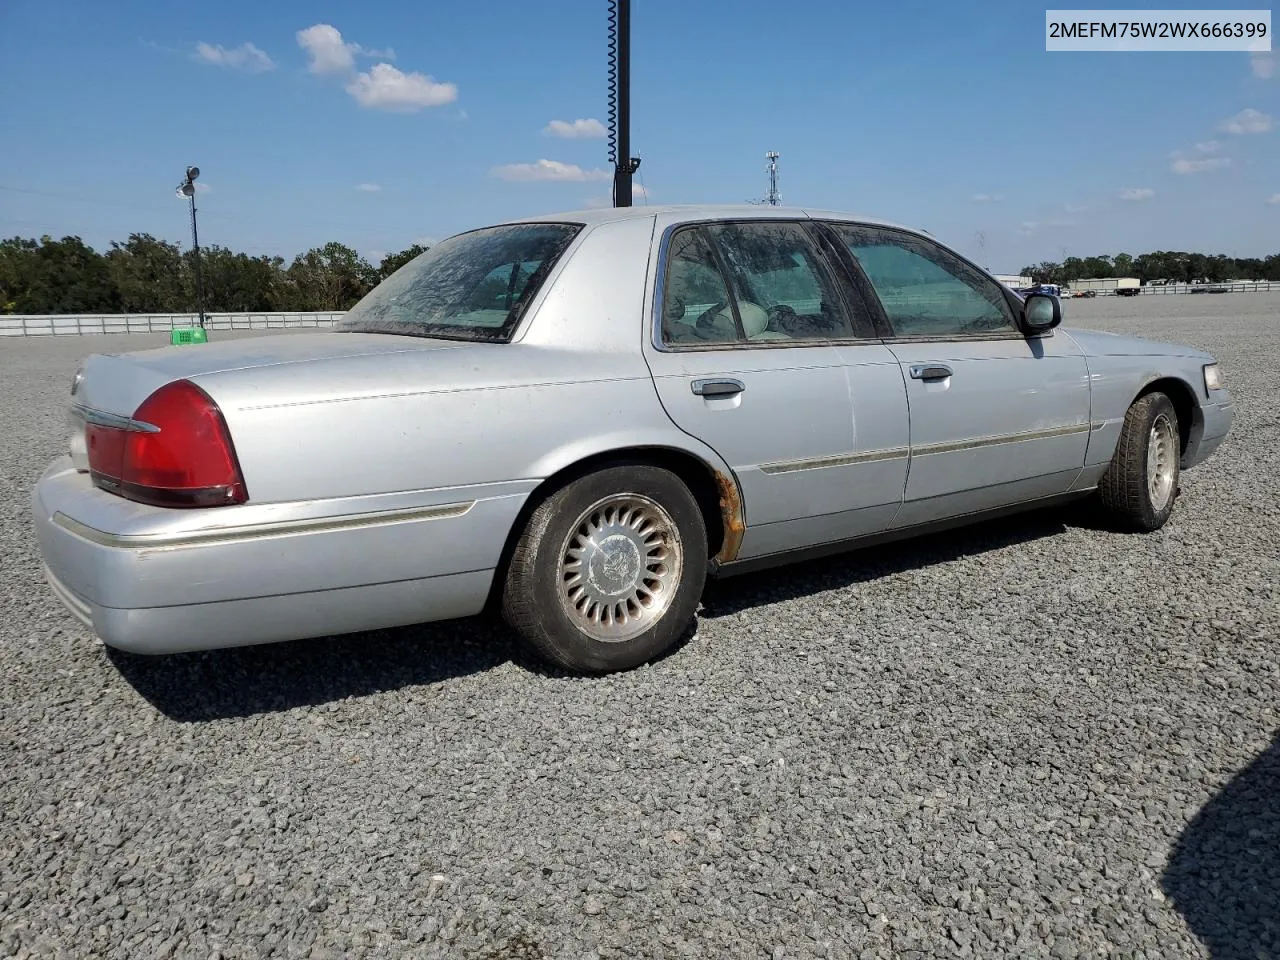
[[118, 382]]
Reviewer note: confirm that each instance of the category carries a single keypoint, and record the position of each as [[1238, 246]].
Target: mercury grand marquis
[[576, 419]]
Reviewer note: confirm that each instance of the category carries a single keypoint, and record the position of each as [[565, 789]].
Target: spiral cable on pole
[[613, 88]]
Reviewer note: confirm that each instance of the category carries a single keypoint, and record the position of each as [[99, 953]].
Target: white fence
[[29, 325], [1243, 286], [33, 325]]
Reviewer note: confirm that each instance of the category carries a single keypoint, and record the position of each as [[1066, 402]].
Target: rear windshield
[[470, 287]]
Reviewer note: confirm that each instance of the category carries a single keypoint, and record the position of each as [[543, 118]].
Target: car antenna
[[624, 165]]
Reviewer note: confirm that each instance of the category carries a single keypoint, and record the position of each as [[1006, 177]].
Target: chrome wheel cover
[[619, 567], [1162, 453]]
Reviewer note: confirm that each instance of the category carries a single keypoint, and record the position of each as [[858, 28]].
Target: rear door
[[996, 417], [759, 353]]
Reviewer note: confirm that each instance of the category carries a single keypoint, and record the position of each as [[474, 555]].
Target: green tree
[[394, 261], [332, 277], [17, 270], [1044, 272], [58, 276], [238, 283], [1096, 268], [149, 275]]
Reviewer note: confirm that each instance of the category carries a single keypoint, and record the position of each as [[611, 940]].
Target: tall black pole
[[624, 164], [195, 246]]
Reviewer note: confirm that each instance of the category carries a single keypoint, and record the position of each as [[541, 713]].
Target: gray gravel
[[1037, 739]]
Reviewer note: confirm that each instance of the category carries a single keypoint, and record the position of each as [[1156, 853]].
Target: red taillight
[[178, 453]]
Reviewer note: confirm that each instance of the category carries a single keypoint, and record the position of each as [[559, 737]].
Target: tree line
[[147, 275], [1175, 266]]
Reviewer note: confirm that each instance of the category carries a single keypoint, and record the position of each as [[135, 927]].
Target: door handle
[[726, 387], [930, 371]]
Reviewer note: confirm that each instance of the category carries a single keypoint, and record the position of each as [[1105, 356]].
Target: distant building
[[1106, 284], [1009, 280]]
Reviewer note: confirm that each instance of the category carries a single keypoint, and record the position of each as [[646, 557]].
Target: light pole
[[187, 188]]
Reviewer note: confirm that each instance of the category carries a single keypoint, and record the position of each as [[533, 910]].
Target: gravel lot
[[1037, 739]]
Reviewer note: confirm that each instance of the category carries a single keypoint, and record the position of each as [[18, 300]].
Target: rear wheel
[[608, 571], [1141, 484]]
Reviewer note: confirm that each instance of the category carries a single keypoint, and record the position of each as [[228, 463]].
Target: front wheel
[[1141, 483], [608, 571]]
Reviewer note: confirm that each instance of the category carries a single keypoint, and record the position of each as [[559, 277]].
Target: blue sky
[[381, 124]]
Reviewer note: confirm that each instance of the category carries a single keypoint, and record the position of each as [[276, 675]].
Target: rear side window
[[752, 282], [695, 298], [474, 286]]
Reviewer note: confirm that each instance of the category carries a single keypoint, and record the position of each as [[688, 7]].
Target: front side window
[[474, 286], [779, 289], [925, 290]]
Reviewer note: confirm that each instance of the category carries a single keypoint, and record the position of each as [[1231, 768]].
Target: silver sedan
[[576, 419]]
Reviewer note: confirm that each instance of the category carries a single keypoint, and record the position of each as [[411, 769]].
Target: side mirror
[[1040, 313]]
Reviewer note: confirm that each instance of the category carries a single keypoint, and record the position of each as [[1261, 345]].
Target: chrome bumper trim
[[195, 538]]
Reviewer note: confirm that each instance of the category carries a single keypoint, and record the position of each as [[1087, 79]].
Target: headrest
[[754, 318]]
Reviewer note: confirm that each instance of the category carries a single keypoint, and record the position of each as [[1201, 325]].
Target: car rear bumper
[[152, 580]]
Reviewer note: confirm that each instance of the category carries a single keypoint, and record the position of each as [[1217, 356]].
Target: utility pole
[[624, 165]]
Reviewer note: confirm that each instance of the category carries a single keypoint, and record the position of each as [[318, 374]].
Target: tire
[[586, 607], [1140, 486]]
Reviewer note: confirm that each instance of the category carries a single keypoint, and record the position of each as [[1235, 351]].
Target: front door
[[762, 356], [996, 417]]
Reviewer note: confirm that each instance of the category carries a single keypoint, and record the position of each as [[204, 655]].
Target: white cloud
[[330, 54], [202, 187], [326, 49], [383, 87], [1248, 121], [550, 170], [386, 88], [1137, 193], [375, 257], [582, 129], [1263, 65], [1203, 158], [1274, 199], [245, 57], [368, 187], [987, 198], [1075, 208], [1185, 165]]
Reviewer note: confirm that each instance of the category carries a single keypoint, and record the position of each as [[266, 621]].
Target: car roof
[[690, 212]]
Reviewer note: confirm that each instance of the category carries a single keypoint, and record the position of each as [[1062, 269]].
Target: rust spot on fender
[[730, 518]]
